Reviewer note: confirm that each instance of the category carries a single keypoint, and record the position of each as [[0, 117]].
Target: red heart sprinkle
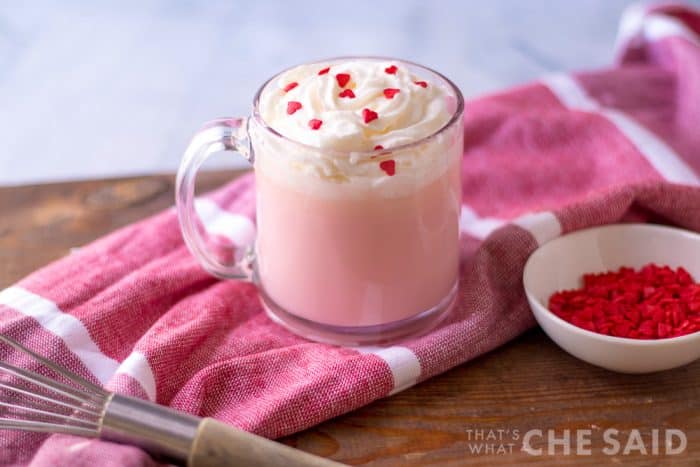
[[324, 71], [369, 115], [293, 106], [391, 70], [347, 93], [389, 93], [422, 84], [389, 167], [290, 86], [343, 79], [654, 302], [378, 147], [315, 123]]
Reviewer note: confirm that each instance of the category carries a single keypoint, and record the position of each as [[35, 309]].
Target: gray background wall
[[96, 89]]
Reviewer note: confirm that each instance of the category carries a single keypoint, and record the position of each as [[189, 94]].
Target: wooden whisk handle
[[217, 444]]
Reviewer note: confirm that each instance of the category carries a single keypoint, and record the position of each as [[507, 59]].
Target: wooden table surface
[[528, 384]]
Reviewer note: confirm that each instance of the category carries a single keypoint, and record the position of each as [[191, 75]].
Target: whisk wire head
[[30, 401], [78, 380]]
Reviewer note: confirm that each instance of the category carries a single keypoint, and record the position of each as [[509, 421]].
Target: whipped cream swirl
[[355, 106]]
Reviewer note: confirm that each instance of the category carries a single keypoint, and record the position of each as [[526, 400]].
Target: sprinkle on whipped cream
[[342, 79], [388, 166], [292, 107], [290, 86], [355, 106], [389, 93], [369, 115]]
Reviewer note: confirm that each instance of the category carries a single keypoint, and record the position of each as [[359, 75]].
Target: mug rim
[[455, 117]]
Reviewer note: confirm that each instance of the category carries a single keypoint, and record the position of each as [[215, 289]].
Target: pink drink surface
[[358, 261]]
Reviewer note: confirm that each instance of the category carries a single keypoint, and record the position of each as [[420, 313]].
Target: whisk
[[34, 402]]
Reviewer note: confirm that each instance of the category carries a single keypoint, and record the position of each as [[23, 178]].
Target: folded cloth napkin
[[135, 312]]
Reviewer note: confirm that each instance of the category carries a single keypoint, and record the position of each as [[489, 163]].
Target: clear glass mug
[[347, 260]]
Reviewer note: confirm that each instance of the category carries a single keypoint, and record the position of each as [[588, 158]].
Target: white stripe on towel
[[478, 227], [543, 226], [664, 159], [657, 26], [136, 365], [77, 338], [403, 363], [636, 23]]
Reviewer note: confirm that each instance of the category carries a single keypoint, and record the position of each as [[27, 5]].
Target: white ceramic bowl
[[560, 264]]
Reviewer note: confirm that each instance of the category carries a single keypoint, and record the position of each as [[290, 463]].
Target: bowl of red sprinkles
[[624, 297]]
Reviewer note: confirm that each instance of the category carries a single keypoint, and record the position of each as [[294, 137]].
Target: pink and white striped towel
[[135, 312]]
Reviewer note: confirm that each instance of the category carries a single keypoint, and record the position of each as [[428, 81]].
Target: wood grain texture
[[527, 384]]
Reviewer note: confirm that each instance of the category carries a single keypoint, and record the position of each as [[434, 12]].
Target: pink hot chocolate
[[357, 226]]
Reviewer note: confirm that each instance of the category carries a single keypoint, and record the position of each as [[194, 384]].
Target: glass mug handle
[[226, 134]]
